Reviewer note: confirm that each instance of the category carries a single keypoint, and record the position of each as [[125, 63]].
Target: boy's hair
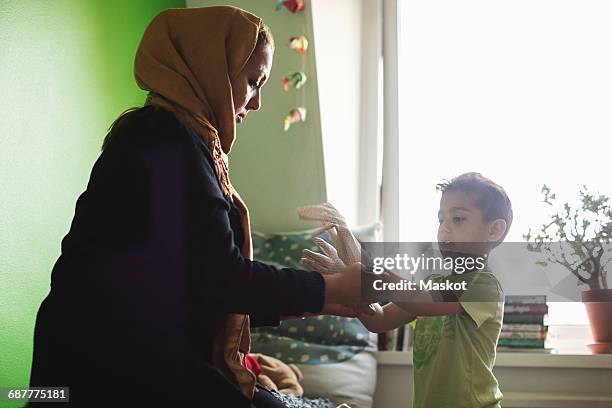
[[491, 198]]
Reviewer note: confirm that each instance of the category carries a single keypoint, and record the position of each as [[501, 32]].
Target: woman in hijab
[[155, 290]]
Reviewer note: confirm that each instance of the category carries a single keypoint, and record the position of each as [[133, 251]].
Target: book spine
[[523, 318], [522, 299], [408, 333], [382, 341], [400, 338], [523, 335], [392, 339], [517, 327], [525, 349], [528, 343], [526, 308]]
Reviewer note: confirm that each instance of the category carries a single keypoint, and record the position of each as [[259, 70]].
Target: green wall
[[276, 172], [65, 74]]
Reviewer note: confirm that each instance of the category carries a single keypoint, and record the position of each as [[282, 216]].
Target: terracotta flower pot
[[598, 303]]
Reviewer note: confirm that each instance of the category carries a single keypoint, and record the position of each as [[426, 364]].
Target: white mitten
[[328, 263], [346, 244]]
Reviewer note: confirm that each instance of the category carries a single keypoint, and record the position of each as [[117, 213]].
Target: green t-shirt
[[454, 355]]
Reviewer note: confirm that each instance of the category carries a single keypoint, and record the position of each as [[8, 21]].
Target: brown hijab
[[185, 60]]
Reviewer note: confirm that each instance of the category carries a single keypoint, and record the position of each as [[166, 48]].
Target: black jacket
[[149, 268]]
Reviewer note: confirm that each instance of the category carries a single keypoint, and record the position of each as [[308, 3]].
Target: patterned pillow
[[283, 249], [301, 340], [335, 354], [313, 340]]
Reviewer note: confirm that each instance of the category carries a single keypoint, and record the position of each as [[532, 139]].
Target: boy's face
[[461, 221]]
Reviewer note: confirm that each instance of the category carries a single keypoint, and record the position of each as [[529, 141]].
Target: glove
[[328, 263], [347, 246]]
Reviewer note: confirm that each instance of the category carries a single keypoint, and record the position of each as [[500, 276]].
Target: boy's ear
[[497, 229]]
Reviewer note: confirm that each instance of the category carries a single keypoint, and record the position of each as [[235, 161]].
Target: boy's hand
[[386, 318], [328, 263], [374, 322]]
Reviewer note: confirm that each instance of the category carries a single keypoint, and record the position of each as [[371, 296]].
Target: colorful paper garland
[[296, 115], [294, 6], [299, 44], [296, 80]]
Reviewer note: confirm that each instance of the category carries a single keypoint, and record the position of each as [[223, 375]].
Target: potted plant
[[585, 232]]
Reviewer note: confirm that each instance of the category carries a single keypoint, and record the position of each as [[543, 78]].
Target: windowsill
[[516, 359], [569, 351]]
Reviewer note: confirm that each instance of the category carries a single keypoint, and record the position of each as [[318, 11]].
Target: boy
[[455, 339]]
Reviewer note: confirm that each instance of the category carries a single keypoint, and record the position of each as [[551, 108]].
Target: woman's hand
[[344, 288], [329, 262], [347, 245], [342, 285]]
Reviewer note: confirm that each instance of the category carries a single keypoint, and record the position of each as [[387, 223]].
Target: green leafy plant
[[577, 237]]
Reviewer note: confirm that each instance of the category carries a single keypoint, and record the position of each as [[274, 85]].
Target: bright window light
[[519, 91]]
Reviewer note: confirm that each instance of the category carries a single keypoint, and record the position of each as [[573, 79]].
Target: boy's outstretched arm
[[386, 318], [431, 303], [424, 302]]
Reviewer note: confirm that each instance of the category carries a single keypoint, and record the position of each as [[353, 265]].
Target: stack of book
[[523, 327], [399, 339]]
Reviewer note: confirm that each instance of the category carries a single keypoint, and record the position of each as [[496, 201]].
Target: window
[[518, 91]]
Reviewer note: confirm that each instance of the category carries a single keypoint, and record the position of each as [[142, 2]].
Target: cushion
[[335, 354]]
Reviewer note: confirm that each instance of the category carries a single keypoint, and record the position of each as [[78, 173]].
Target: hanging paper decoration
[[294, 6], [296, 115], [296, 80], [299, 43]]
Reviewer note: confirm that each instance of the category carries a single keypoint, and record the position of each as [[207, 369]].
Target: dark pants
[[110, 367], [265, 399]]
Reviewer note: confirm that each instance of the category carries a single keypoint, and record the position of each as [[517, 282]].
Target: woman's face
[[246, 86]]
